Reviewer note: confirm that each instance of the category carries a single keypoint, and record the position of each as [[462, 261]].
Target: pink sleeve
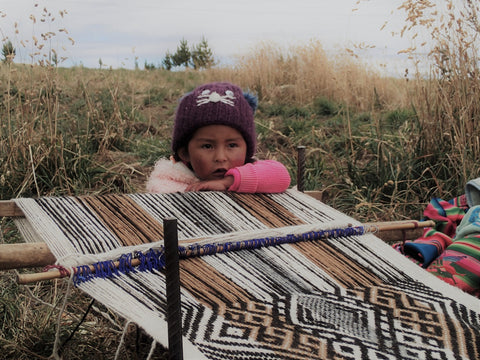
[[263, 176]]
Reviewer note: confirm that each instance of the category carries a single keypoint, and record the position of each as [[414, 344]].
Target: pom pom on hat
[[215, 104], [252, 100]]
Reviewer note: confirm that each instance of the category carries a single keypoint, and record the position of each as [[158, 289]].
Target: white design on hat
[[207, 96]]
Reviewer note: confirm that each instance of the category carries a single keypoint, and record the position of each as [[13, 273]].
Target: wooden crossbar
[[8, 208], [28, 255], [25, 255]]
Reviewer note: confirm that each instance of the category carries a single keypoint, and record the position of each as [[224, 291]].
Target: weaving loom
[[333, 294]]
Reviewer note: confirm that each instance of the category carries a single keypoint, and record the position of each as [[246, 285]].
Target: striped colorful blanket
[[451, 249], [337, 295]]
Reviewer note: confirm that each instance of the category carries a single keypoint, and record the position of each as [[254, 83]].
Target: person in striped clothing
[[451, 249]]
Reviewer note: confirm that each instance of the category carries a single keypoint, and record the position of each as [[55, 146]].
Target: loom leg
[[174, 313]]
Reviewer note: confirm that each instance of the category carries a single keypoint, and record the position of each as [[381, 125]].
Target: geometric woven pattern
[[351, 297]]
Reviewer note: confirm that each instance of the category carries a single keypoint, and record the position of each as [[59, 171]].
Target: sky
[[120, 33]]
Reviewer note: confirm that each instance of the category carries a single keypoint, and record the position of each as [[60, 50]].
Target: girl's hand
[[212, 185]]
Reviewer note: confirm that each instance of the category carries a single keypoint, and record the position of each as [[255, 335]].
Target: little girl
[[213, 144]]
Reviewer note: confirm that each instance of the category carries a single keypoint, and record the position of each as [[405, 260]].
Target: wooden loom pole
[[25, 255], [378, 228], [172, 279], [8, 208], [401, 225], [55, 273], [398, 230]]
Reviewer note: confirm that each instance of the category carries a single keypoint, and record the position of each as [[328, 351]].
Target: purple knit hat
[[215, 104]]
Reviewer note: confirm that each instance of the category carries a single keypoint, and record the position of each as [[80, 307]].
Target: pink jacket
[[262, 176]]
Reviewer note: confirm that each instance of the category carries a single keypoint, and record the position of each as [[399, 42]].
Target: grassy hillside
[[77, 130], [378, 148]]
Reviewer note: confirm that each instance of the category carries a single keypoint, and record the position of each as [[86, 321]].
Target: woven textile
[[350, 297]]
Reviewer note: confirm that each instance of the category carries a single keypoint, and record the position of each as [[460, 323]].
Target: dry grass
[[300, 74], [35, 315], [446, 102]]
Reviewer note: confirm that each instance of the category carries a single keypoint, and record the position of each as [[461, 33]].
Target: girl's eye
[[206, 146], [232, 145]]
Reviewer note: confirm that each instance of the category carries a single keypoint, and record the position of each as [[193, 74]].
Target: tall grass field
[[378, 148]]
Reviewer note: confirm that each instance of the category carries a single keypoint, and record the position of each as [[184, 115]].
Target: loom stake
[[300, 168], [172, 275]]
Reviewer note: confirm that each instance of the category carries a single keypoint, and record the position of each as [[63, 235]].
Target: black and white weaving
[[342, 297]]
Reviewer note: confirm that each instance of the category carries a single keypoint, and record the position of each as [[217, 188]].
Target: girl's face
[[213, 150]]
